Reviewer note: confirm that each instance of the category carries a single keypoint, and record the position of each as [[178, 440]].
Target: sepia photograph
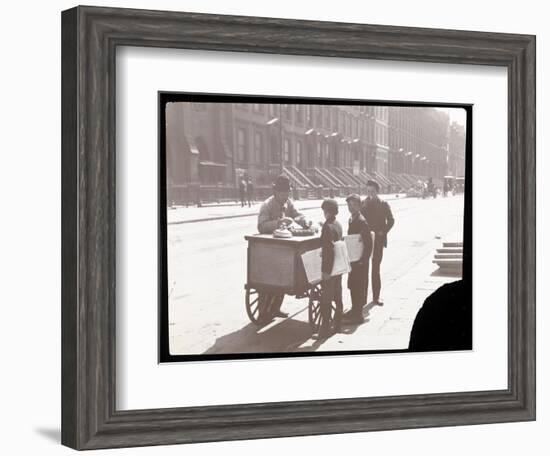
[[306, 227]]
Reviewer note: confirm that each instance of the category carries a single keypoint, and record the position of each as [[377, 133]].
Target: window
[[258, 147], [334, 124], [319, 155], [318, 115], [299, 157], [258, 108], [287, 112], [241, 144], [299, 114], [308, 114], [286, 150]]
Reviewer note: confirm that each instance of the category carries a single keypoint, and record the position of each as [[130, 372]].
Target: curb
[[254, 214]]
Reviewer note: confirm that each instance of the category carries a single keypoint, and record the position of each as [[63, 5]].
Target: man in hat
[[380, 220], [358, 277], [279, 208]]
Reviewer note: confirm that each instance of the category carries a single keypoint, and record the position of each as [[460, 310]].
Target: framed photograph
[[268, 224], [220, 159]]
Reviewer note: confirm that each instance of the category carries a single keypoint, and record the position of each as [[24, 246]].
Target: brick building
[[323, 149], [419, 139]]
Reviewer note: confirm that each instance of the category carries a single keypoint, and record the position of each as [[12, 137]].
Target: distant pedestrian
[[249, 191], [242, 192], [358, 277], [380, 220], [331, 286], [433, 188]]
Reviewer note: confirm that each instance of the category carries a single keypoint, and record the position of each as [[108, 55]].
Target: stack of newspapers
[[345, 252]]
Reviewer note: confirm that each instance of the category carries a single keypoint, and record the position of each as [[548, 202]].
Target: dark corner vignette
[[462, 295]]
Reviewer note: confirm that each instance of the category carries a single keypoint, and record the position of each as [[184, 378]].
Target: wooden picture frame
[[90, 36]]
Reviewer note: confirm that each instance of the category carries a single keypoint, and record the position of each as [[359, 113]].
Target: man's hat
[[330, 205], [373, 184], [353, 197], [281, 184]]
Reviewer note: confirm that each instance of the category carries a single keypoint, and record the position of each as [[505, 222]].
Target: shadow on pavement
[[284, 336], [279, 336], [367, 309]]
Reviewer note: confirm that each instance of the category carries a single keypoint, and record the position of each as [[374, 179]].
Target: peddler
[[277, 213], [278, 210]]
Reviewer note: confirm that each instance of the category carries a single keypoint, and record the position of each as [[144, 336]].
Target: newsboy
[[358, 276], [331, 286]]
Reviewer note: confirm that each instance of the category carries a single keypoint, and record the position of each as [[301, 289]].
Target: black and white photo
[[295, 227]]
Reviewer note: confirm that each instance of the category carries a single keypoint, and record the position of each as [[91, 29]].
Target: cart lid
[[288, 241]]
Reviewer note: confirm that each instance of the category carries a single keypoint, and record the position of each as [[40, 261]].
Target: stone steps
[[449, 250], [452, 244], [449, 257]]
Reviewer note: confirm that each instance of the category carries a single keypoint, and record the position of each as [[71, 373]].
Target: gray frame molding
[[89, 39]]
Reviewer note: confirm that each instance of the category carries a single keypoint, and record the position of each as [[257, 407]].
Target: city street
[[207, 273]]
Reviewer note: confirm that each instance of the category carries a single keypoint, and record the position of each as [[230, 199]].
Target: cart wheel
[[253, 305], [261, 306], [314, 312]]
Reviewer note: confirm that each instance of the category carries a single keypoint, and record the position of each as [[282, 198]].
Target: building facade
[[457, 150], [419, 139], [317, 146]]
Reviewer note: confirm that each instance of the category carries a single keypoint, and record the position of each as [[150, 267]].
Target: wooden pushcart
[[275, 269]]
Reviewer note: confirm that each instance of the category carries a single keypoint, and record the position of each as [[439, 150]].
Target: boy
[[331, 286], [358, 276]]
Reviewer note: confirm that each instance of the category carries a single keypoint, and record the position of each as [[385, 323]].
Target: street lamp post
[[281, 164], [279, 121]]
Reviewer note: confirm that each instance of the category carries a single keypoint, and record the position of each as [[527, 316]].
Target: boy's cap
[[330, 205], [353, 197], [373, 184]]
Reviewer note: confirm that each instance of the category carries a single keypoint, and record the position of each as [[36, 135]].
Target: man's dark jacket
[[379, 217]]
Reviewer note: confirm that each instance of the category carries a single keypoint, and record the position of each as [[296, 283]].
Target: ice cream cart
[[275, 269]]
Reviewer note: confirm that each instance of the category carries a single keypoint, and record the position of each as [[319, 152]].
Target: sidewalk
[[181, 215], [388, 327]]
